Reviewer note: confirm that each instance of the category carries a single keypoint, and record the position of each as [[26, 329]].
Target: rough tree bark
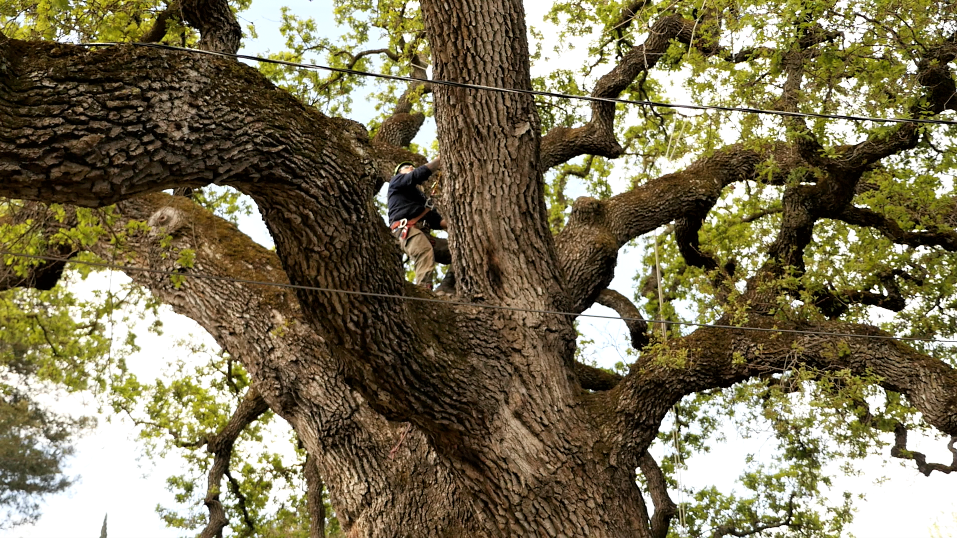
[[296, 373], [505, 439]]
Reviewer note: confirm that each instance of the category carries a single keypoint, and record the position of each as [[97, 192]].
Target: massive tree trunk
[[505, 440]]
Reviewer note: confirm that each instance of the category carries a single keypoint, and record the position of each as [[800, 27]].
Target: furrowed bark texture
[[503, 441], [722, 357], [539, 471], [492, 145], [314, 501], [292, 368], [250, 408]]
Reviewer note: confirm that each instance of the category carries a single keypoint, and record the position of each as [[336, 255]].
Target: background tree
[[477, 420]]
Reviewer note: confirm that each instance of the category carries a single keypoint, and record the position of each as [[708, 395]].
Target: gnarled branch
[[721, 357], [250, 408], [637, 327], [862, 216], [665, 508], [899, 450], [597, 137]]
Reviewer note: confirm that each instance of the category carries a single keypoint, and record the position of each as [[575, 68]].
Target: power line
[[129, 268], [611, 100]]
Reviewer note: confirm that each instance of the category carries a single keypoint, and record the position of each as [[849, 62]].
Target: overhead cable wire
[[129, 268], [542, 93]]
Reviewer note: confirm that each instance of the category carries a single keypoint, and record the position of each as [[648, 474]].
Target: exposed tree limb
[[592, 378], [637, 327], [218, 28], [686, 237], [899, 450], [597, 137], [559, 201], [158, 31], [665, 508], [241, 501], [588, 245], [719, 358], [250, 408], [862, 216]]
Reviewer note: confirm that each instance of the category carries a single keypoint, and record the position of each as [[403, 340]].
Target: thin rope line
[[661, 293], [669, 154], [459, 303], [611, 100], [111, 305]]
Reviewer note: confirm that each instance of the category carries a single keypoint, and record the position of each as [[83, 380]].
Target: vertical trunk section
[[539, 470], [490, 144]]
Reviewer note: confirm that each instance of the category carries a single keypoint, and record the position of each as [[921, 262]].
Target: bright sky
[[115, 478]]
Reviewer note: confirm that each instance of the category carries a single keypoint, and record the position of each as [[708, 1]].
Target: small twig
[[401, 440]]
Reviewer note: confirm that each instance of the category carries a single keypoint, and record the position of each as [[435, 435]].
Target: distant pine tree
[[103, 529]]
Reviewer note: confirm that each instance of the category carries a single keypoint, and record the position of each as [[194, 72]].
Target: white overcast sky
[[115, 478]]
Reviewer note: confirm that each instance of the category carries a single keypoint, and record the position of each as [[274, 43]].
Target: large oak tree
[[457, 417]]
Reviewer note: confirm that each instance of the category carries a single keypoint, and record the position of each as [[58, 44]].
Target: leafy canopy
[[865, 68]]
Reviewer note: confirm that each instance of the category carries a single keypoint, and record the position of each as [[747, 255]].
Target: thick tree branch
[[637, 327], [250, 408], [899, 450], [401, 127], [218, 28], [625, 17], [149, 119], [935, 75], [665, 508], [592, 378], [293, 368], [686, 236], [597, 137], [891, 300], [833, 304], [158, 31], [588, 245], [313, 178], [713, 358], [139, 116], [862, 216]]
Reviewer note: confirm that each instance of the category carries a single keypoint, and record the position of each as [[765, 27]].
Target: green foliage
[[34, 446], [384, 37], [82, 21], [812, 419], [53, 341], [224, 202], [815, 419], [180, 411]]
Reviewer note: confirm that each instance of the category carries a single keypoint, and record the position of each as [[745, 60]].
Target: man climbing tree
[[409, 210], [479, 420]]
